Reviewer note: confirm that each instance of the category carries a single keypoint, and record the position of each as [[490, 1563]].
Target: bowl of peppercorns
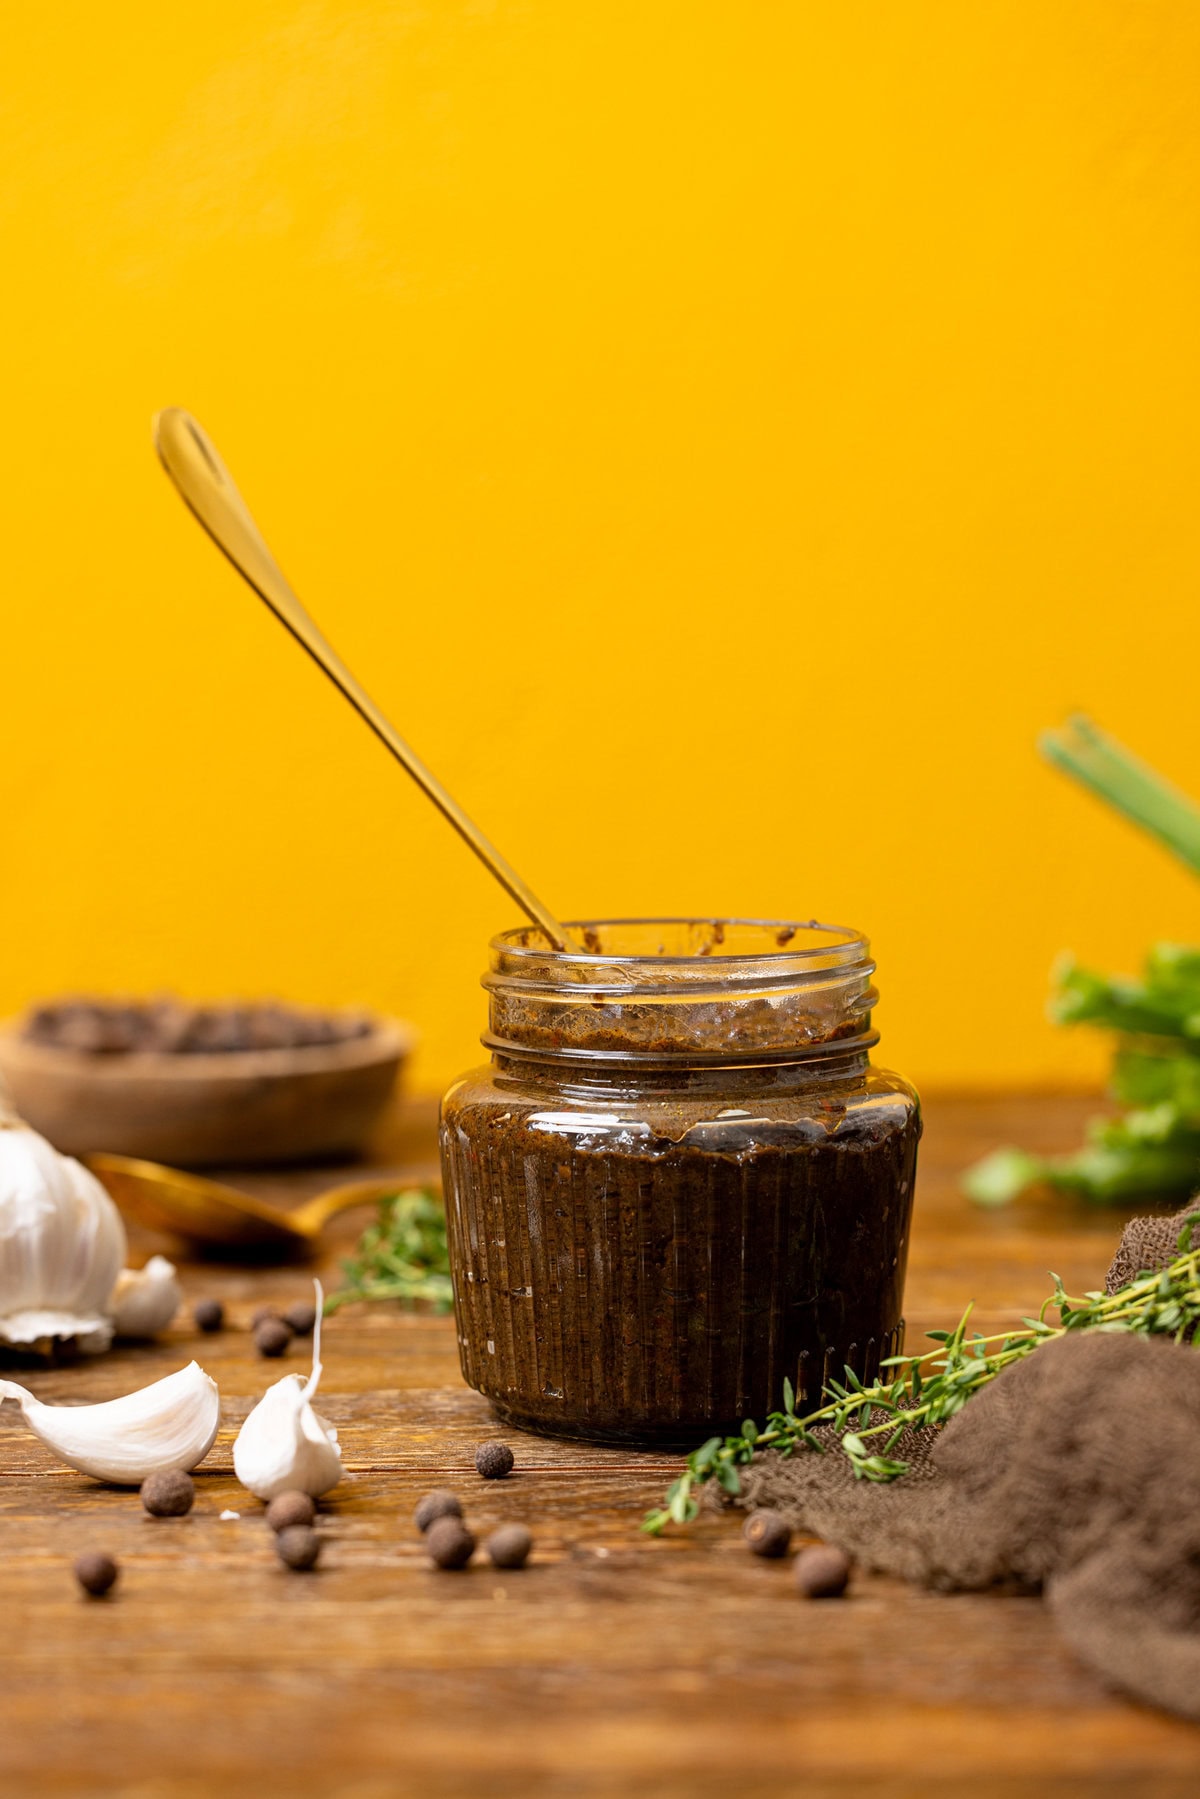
[[199, 1085]]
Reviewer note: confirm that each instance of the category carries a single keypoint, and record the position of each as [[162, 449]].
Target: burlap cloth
[[1077, 1472]]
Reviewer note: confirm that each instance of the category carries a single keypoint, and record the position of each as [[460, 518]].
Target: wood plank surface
[[612, 1665]]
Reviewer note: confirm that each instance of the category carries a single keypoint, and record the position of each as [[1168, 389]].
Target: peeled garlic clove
[[284, 1446], [170, 1424], [145, 1300]]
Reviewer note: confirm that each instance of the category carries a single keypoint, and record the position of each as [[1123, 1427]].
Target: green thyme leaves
[[403, 1255], [867, 1421]]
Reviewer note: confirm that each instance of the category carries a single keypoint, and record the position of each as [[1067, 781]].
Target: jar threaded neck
[[682, 992]]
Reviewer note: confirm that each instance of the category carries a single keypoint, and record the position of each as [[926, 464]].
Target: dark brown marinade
[[656, 1284]]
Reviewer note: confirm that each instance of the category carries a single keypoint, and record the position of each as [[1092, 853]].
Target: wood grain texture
[[612, 1665]]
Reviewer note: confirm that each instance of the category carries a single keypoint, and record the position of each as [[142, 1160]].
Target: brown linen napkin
[[1076, 1471], [1147, 1243]]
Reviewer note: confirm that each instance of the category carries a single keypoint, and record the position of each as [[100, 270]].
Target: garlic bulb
[[284, 1446], [62, 1242], [170, 1424], [145, 1300]]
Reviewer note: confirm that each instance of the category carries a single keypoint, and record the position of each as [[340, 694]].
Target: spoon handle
[[193, 464], [315, 1214]]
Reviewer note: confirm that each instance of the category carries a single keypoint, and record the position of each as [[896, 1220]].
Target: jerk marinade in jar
[[679, 1180]]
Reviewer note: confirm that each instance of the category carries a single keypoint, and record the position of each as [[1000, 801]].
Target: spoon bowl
[[221, 1217]]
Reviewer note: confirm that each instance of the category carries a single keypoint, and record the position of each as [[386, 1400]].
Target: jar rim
[[843, 946], [728, 988]]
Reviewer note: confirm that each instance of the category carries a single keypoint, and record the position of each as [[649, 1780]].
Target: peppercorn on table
[[612, 1663]]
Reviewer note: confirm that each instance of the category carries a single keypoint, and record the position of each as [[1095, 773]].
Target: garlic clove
[[145, 1300], [284, 1446], [170, 1424]]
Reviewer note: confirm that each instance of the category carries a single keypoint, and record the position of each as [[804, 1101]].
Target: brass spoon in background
[[218, 1216], [208, 489]]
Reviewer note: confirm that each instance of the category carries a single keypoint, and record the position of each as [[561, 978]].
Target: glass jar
[[679, 1180]]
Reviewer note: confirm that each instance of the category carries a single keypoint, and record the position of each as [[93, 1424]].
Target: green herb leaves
[[922, 1392], [402, 1256], [1155, 1148]]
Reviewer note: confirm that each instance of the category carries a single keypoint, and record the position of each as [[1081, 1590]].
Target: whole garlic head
[[284, 1446], [62, 1242]]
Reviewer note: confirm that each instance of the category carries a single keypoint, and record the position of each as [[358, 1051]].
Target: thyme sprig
[[926, 1390], [403, 1255]]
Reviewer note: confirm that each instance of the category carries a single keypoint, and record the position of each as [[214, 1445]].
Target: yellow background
[[721, 435]]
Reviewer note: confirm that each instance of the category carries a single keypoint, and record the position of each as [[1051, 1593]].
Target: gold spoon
[[209, 1212], [208, 489]]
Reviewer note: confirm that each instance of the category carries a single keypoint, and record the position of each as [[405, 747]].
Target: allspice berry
[[766, 1533], [298, 1546], [450, 1543], [822, 1572], [287, 1510], [301, 1317], [272, 1337], [509, 1546], [209, 1314], [96, 1573], [169, 1494], [260, 1314], [435, 1505], [494, 1460]]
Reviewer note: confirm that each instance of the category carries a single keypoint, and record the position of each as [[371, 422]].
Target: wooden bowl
[[195, 1111]]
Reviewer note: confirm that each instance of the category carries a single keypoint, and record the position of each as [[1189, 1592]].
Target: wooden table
[[613, 1665]]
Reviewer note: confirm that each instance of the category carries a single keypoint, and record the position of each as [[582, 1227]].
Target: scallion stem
[[1127, 784]]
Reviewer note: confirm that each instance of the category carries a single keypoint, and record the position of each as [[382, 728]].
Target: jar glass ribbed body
[[679, 1179]]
